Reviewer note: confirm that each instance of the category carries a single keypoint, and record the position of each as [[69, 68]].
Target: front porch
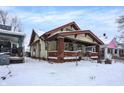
[[12, 45], [69, 49]]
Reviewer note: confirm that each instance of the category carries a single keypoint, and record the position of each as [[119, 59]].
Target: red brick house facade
[[67, 43]]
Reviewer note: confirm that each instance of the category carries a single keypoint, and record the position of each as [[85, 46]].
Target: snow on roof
[[39, 32], [12, 32]]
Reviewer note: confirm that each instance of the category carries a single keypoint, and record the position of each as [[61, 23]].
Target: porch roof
[[11, 33], [78, 41], [64, 34]]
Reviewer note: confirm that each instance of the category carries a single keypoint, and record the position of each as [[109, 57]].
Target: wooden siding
[[83, 37]]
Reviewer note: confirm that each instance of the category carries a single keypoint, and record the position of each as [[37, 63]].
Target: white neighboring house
[[114, 49], [12, 42]]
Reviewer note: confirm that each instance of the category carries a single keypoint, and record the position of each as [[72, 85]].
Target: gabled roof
[[61, 27], [64, 34], [113, 44], [32, 36]]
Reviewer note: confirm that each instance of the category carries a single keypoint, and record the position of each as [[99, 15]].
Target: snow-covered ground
[[35, 72]]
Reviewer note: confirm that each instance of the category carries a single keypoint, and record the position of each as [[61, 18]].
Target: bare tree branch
[[3, 16], [7, 19], [120, 22]]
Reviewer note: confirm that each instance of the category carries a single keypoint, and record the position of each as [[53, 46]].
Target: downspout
[[39, 49], [46, 47]]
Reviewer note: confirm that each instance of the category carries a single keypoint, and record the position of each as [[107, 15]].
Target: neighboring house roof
[[32, 37], [61, 27], [75, 33], [34, 33], [113, 44]]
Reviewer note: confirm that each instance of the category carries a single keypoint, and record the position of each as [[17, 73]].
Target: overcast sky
[[97, 19]]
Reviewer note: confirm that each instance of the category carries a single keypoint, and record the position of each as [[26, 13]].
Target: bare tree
[[120, 22], [16, 24], [3, 17], [7, 19]]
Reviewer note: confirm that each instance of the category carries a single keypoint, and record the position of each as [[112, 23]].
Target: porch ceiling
[[11, 33], [64, 34], [9, 38], [68, 39]]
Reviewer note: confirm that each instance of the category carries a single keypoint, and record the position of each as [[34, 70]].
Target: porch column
[[60, 49], [106, 52], [21, 41], [97, 48]]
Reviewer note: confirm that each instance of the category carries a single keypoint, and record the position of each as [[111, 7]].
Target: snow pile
[[3, 71], [35, 72]]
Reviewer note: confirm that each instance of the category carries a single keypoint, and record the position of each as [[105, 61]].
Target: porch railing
[[92, 55], [13, 51], [72, 54]]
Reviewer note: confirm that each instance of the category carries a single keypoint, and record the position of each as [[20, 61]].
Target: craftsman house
[[65, 43], [12, 43]]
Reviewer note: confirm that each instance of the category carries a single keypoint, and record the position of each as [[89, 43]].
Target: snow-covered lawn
[[35, 72]]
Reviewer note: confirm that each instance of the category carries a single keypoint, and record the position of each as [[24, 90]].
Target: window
[[94, 50], [68, 46], [91, 49], [109, 50], [5, 46], [14, 45], [115, 51], [79, 47], [61, 29], [122, 52]]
